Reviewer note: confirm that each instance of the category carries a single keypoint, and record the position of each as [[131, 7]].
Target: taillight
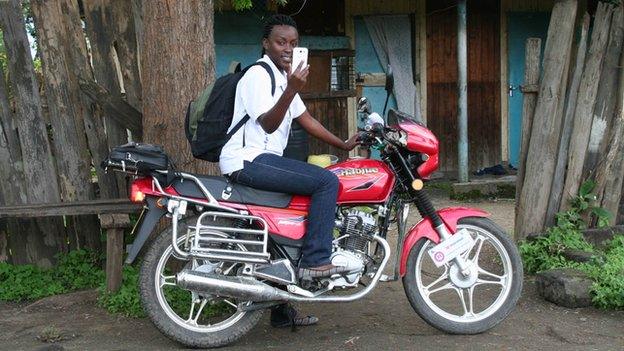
[[136, 195]]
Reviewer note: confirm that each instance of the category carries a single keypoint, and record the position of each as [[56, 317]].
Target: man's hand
[[297, 79], [351, 143]]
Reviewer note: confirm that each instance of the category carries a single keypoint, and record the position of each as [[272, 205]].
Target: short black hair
[[277, 20]]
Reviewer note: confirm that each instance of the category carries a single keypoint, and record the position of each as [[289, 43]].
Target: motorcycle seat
[[218, 187]]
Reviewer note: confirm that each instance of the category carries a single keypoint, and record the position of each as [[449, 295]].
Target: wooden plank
[[606, 96], [566, 131], [545, 131], [610, 170], [114, 258], [59, 35], [609, 180], [12, 187], [114, 220], [39, 169], [71, 208], [585, 103], [107, 25], [532, 55], [115, 107]]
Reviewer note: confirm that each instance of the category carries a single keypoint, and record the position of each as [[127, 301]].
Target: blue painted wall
[[238, 37]]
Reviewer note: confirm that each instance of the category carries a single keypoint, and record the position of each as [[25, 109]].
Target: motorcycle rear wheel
[[194, 325], [446, 300]]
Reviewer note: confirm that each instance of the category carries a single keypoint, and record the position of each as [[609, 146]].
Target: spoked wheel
[[472, 302], [193, 319]]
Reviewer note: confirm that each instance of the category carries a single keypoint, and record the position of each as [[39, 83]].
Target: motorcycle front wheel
[[466, 304], [190, 318]]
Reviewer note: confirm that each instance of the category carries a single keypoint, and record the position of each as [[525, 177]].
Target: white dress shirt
[[253, 97]]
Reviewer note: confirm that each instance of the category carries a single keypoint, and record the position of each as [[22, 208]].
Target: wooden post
[[609, 177], [606, 97], [114, 224], [540, 164], [462, 93], [532, 55], [566, 130], [583, 113]]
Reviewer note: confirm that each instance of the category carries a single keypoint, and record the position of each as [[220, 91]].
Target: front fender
[[424, 229]]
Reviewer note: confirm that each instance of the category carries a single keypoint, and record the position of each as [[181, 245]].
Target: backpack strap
[[246, 117], [270, 72]]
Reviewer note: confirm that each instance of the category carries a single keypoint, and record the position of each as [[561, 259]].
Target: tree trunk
[[540, 163], [57, 22], [583, 113], [177, 61], [39, 240], [566, 130]]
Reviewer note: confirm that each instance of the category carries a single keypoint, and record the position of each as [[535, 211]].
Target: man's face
[[279, 45]]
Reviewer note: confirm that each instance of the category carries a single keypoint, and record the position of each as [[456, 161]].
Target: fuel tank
[[363, 180]]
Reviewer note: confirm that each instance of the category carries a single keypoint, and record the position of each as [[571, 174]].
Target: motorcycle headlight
[[398, 137]]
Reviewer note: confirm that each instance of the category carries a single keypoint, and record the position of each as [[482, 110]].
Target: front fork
[[426, 210]]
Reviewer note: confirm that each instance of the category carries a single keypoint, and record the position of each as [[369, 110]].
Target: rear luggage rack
[[250, 246]]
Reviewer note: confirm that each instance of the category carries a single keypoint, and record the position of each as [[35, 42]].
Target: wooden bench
[[113, 215]]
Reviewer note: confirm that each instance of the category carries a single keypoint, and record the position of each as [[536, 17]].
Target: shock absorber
[[422, 201]]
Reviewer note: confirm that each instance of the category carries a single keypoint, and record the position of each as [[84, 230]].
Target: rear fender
[[424, 229], [153, 213]]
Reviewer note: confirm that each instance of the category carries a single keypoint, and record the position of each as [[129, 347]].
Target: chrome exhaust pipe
[[249, 289], [242, 288]]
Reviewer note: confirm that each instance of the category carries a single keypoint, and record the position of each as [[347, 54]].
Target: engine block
[[358, 226]]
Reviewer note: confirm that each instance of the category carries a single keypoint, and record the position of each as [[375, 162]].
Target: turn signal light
[[136, 195]]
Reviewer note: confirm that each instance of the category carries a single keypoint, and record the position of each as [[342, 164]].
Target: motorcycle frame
[[434, 226]]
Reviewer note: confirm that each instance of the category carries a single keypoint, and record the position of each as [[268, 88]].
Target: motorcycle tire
[[164, 320], [469, 323]]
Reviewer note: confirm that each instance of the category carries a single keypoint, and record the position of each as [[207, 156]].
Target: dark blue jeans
[[274, 173]]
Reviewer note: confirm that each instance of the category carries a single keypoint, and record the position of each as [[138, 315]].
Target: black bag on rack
[[138, 158]]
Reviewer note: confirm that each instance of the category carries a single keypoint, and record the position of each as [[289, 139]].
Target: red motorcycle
[[231, 251]]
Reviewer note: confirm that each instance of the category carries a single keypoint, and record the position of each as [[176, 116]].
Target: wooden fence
[[57, 124], [573, 129]]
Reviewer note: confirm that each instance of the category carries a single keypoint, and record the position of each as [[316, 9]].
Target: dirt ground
[[381, 321]]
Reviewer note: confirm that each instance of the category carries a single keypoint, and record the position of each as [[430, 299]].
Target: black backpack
[[209, 116]]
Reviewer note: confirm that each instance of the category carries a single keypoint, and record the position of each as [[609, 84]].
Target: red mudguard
[[424, 229]]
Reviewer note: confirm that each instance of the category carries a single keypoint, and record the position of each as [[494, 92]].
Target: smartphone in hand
[[299, 55]]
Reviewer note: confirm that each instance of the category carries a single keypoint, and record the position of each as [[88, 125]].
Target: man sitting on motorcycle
[[253, 156]]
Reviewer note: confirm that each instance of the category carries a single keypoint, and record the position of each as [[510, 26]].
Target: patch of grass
[[606, 269], [126, 300], [50, 334], [76, 270]]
